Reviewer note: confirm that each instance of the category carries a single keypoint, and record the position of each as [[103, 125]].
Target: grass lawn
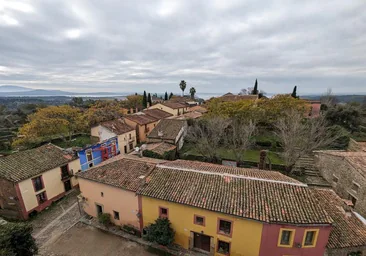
[[250, 155], [79, 141]]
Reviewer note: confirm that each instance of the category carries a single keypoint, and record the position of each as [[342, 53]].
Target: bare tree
[[207, 136], [300, 136], [240, 137], [328, 99]]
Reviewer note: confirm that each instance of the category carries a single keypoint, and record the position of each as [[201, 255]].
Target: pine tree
[[149, 99], [294, 93], [144, 100], [171, 95], [166, 96], [255, 90]]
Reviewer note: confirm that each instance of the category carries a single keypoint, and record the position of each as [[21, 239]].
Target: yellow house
[[174, 108], [232, 211], [142, 123], [31, 180], [125, 134], [111, 188]]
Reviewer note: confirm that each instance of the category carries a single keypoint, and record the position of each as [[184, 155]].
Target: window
[[335, 179], [163, 212], [353, 199], [310, 238], [38, 183], [130, 136], [225, 227], [199, 220], [101, 194], [223, 247], [41, 197], [355, 187], [116, 215], [286, 237], [131, 146], [89, 155]]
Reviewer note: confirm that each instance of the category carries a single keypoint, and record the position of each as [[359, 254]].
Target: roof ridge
[[231, 175]]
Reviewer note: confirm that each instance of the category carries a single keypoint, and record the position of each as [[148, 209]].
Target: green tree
[[160, 232], [16, 240], [192, 91], [149, 99], [347, 116], [294, 93], [166, 96], [171, 95], [144, 100], [51, 122], [104, 110], [182, 86], [255, 89]]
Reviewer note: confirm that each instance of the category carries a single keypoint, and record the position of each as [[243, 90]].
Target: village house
[[31, 180], [346, 172], [116, 128], [174, 108], [348, 235], [171, 131], [144, 122], [111, 188], [233, 211], [95, 154]]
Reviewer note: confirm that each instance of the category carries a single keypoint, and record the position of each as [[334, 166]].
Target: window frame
[[315, 238], [34, 183], [115, 213], [335, 177], [38, 199], [91, 154], [161, 215], [217, 248], [197, 223], [292, 237], [219, 232], [354, 184]]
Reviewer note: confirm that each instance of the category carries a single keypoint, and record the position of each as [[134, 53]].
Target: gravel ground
[[84, 240]]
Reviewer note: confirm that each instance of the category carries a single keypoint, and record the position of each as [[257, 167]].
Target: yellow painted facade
[[52, 185], [142, 130], [174, 112], [111, 199], [246, 234]]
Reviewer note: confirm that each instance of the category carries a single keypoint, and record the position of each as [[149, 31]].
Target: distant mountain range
[[19, 91]]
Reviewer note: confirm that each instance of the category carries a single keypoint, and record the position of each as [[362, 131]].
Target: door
[[67, 185], [126, 149], [202, 242], [99, 209]]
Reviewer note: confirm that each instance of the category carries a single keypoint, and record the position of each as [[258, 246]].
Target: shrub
[[16, 239], [131, 229], [104, 218], [160, 232]]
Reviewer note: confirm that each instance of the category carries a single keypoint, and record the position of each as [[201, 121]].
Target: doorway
[[125, 149], [67, 185], [202, 242], [99, 209]]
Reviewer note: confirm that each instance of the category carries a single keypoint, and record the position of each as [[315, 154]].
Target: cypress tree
[[294, 93], [171, 95], [144, 100], [166, 96], [255, 90], [149, 99]]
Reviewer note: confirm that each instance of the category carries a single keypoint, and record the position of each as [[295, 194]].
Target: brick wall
[[9, 204], [343, 177]]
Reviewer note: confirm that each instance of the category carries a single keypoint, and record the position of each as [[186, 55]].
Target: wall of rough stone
[[9, 204], [345, 252], [332, 167]]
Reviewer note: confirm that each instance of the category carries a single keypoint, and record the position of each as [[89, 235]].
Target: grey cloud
[[216, 46]]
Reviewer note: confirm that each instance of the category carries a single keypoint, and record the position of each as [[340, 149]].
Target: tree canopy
[[182, 86], [192, 91]]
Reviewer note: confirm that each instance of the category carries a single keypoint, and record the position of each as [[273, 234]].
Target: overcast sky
[[216, 46]]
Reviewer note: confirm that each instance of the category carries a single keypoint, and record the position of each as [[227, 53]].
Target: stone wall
[[9, 203], [346, 180], [345, 251]]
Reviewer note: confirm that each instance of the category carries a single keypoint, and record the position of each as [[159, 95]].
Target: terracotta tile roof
[[123, 173], [141, 118], [26, 164], [347, 231], [356, 159], [157, 113], [173, 105], [227, 191], [169, 128], [160, 148], [117, 126]]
